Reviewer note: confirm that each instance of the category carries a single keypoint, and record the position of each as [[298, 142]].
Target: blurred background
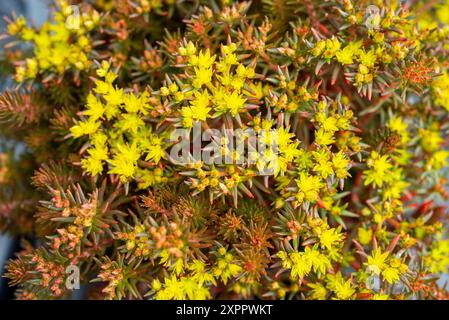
[[36, 11]]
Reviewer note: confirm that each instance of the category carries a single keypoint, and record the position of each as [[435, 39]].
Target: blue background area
[[36, 11]]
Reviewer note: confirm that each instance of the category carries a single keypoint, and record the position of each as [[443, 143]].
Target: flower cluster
[[117, 131], [57, 45]]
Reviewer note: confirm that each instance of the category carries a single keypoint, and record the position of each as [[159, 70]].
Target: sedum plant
[[350, 203]]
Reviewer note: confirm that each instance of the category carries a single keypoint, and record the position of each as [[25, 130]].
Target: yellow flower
[[101, 87], [347, 54], [367, 59], [430, 139], [391, 274], [203, 60], [155, 149], [53, 45], [225, 268], [379, 296], [99, 139], [130, 122], [198, 109], [202, 77], [441, 89], [200, 106], [439, 159], [229, 57], [320, 262], [188, 50], [103, 70], [379, 169], [364, 235], [114, 96], [32, 68], [396, 124], [340, 164], [396, 185], [300, 266], [84, 128], [344, 290], [134, 104], [319, 292], [256, 90], [15, 27], [95, 108], [438, 259], [323, 137], [286, 146], [332, 46], [319, 48], [329, 238], [164, 91], [187, 117], [186, 287], [124, 161], [377, 262], [327, 123], [324, 168], [309, 187], [233, 102]]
